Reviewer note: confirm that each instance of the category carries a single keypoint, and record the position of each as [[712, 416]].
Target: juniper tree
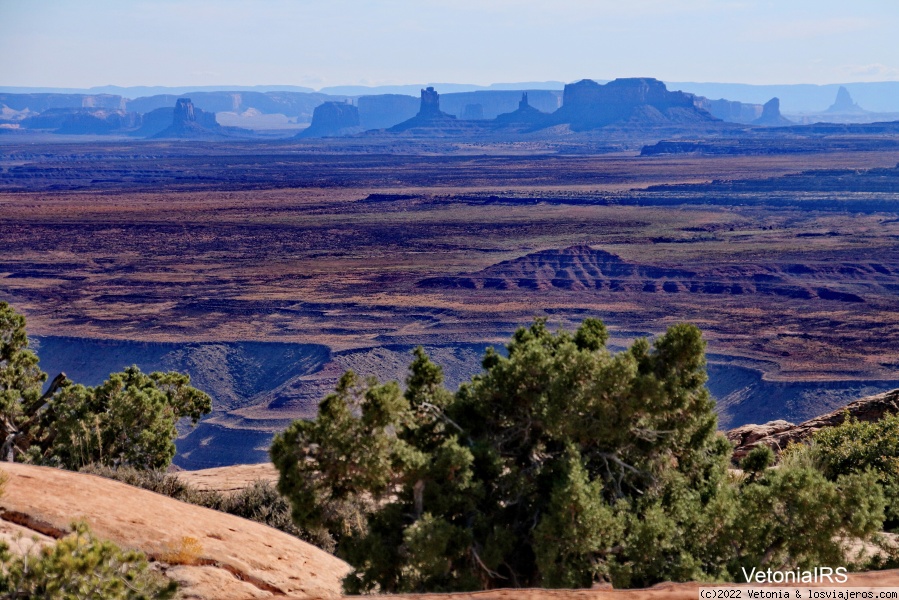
[[560, 464], [129, 419], [430, 490]]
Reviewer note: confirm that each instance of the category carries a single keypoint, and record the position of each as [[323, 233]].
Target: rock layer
[[585, 268]]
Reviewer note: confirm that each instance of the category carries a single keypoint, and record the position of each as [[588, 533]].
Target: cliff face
[[430, 104], [299, 105], [333, 119], [638, 101], [386, 110]]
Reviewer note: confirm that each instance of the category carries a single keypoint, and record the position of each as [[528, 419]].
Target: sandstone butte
[[237, 559]]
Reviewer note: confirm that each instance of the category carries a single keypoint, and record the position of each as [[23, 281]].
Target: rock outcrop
[[333, 119], [233, 558], [526, 115], [635, 102], [771, 116], [779, 434], [430, 104], [239, 559], [430, 119], [844, 104], [191, 122]]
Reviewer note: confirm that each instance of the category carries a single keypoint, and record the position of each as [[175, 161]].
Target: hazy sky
[[316, 43]]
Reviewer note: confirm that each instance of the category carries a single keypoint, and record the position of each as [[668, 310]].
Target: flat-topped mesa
[[331, 119], [637, 101], [771, 116]]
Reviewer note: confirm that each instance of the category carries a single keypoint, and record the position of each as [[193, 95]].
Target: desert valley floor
[[267, 269]]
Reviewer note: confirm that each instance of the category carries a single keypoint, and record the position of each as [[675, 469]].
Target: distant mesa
[[190, 122], [637, 101], [333, 119], [844, 104], [771, 116]]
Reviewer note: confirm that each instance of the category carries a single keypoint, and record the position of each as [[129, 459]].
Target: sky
[[318, 43]]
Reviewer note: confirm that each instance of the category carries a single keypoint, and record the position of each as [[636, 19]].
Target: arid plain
[[349, 254]]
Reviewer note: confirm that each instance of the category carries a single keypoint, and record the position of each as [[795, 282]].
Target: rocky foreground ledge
[[222, 557], [779, 434]]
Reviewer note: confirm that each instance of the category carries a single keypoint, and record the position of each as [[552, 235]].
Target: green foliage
[[796, 518], [560, 464], [20, 377], [759, 458], [80, 566], [854, 447], [573, 541], [524, 477], [130, 419]]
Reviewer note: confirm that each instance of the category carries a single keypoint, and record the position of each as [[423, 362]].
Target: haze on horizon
[[318, 43]]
